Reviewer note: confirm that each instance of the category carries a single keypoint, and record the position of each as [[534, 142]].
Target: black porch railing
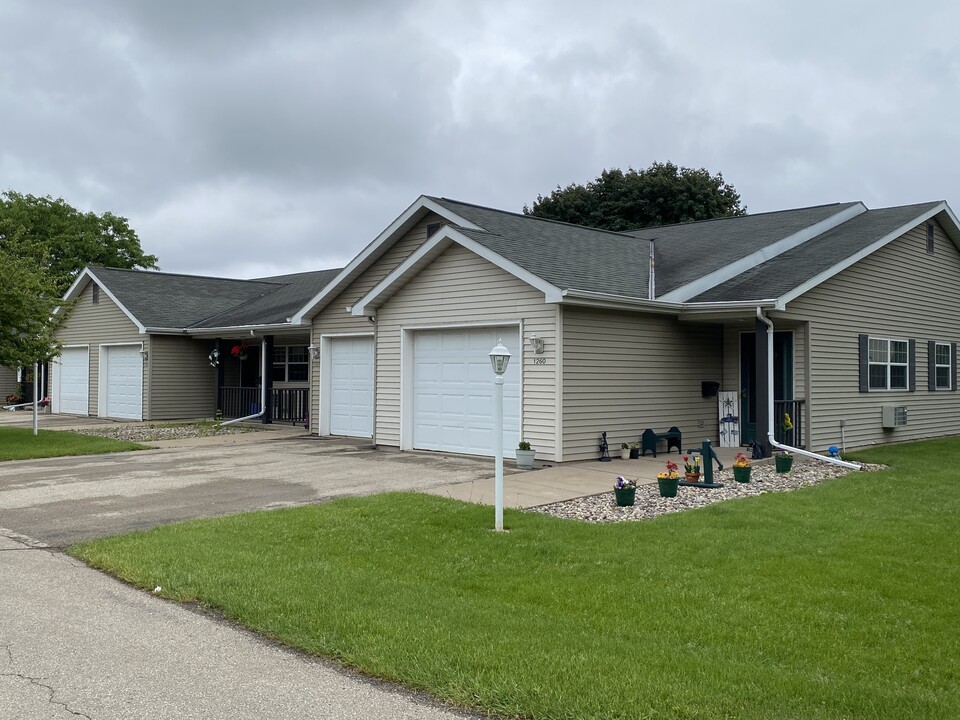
[[288, 404], [788, 436]]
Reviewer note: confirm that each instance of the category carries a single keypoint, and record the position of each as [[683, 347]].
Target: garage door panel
[[74, 381], [351, 386], [453, 391], [122, 382]]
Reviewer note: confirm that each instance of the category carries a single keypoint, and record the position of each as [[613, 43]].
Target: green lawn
[[839, 601], [22, 444]]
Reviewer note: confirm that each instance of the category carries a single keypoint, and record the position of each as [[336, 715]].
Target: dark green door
[[782, 378]]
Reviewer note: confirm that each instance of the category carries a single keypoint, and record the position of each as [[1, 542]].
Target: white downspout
[[833, 461], [263, 387]]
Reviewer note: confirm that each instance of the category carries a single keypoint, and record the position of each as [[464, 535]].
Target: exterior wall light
[[537, 343], [144, 354], [314, 352]]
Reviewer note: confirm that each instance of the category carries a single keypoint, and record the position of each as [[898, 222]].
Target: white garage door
[[73, 381], [121, 382], [453, 391], [351, 386]]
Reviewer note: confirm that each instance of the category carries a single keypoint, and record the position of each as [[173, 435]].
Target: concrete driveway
[[63, 500], [76, 643]]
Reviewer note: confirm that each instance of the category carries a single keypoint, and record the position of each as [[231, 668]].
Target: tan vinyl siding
[[94, 325], [462, 289], [900, 291], [8, 382], [624, 372], [182, 382], [334, 319]]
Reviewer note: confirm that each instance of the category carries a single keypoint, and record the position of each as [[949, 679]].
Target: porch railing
[[793, 436], [288, 404]]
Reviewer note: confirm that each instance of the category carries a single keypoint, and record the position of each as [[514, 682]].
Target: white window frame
[[948, 366], [286, 363], [887, 364]]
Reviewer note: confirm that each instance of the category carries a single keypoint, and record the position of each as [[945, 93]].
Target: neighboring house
[[147, 345], [865, 306], [8, 383], [610, 332]]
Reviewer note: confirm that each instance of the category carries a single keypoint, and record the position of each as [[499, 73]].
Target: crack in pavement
[[38, 682]]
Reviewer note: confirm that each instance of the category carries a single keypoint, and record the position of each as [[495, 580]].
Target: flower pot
[[625, 496], [624, 453], [741, 474], [668, 486], [692, 477], [525, 459], [634, 453], [784, 463]]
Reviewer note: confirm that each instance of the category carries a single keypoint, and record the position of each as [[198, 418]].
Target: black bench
[[650, 438]]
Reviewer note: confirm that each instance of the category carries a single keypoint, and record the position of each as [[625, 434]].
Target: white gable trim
[[869, 250], [384, 240], [728, 272], [78, 285], [428, 252]]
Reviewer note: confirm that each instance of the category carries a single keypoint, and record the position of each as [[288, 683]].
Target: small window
[[96, 294], [930, 238], [432, 228], [943, 366], [888, 364], [290, 363]]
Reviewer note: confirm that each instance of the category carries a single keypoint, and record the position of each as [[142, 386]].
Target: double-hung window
[[941, 365], [290, 363], [888, 363]]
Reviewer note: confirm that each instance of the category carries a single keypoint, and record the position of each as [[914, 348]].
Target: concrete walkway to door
[[567, 481]]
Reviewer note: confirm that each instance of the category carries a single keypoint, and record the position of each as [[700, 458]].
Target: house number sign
[[539, 361]]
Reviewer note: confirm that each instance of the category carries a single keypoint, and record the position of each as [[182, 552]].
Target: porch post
[[267, 379], [762, 391], [217, 400]]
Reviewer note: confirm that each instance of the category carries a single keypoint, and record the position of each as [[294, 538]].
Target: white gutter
[[787, 448], [263, 387], [573, 295]]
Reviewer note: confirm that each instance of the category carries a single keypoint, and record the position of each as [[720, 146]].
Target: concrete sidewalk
[[76, 643], [550, 484]]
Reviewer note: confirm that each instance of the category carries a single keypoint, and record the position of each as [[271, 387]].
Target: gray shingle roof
[[169, 300], [567, 256], [791, 269]]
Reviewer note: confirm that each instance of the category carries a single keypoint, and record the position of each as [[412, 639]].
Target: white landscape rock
[[763, 479]]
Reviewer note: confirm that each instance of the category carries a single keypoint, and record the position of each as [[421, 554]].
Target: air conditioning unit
[[894, 415]]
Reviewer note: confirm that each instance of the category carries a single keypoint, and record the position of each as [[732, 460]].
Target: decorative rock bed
[[764, 479], [153, 433]]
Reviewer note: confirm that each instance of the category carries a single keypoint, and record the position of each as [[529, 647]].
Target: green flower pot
[[784, 463], [668, 486], [741, 474], [625, 496]]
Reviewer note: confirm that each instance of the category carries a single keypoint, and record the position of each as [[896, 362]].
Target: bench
[[650, 438]]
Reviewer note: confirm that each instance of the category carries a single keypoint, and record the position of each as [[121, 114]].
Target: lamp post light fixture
[[499, 359]]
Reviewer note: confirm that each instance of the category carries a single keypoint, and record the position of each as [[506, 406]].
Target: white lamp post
[[499, 359]]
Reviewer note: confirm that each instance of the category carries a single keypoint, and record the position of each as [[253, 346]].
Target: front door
[[782, 378]]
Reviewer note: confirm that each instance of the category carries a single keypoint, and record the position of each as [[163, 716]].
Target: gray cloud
[[245, 138]]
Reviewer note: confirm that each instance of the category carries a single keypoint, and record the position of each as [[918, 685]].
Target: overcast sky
[[249, 138]]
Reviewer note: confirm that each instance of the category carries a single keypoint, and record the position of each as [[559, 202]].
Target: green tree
[[64, 240], [660, 195], [28, 298]]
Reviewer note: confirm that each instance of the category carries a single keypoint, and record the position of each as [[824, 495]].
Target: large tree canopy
[[65, 240], [27, 301], [660, 195]]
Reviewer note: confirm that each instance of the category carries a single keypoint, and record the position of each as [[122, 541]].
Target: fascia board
[[597, 299], [77, 287], [728, 272], [213, 331], [427, 252], [366, 256], [858, 256]]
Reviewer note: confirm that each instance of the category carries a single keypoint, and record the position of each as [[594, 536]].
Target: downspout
[[263, 387], [806, 453]]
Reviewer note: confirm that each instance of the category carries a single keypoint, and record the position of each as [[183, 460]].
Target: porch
[[287, 405]]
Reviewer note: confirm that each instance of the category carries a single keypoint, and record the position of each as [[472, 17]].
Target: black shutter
[[912, 368], [953, 366], [864, 367], [931, 365]]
